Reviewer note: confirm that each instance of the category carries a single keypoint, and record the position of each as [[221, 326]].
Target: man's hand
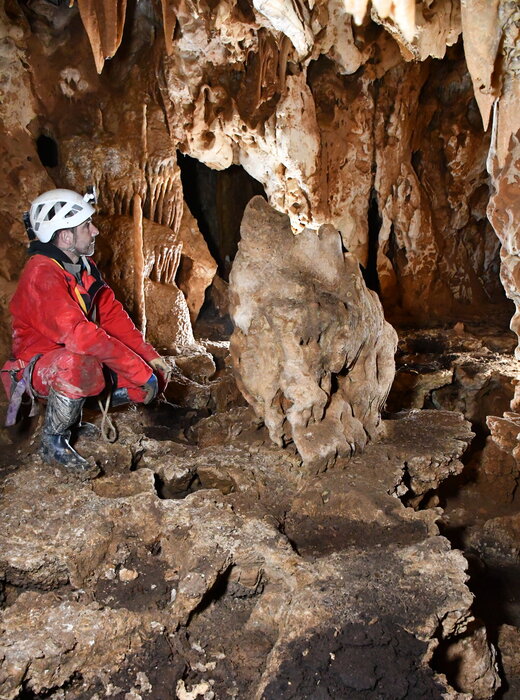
[[159, 364]]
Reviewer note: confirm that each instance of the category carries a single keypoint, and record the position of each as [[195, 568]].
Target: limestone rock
[[467, 373], [165, 310], [197, 268], [300, 114], [219, 295], [184, 392], [312, 352], [499, 538], [477, 672], [420, 31], [128, 567], [509, 643], [45, 641], [503, 212], [409, 152], [104, 24], [481, 27], [428, 467], [196, 363]]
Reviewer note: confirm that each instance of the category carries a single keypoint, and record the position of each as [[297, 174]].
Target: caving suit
[[68, 316]]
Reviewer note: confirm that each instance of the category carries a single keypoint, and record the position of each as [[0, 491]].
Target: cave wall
[[332, 107]]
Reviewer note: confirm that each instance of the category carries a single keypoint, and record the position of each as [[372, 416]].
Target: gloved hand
[[159, 364], [150, 388]]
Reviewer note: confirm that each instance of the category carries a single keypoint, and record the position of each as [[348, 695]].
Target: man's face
[[85, 238]]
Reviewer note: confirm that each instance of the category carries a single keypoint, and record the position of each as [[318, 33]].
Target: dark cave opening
[[217, 199], [370, 273], [47, 151]]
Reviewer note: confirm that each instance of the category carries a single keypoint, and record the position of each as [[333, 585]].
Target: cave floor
[[204, 561]]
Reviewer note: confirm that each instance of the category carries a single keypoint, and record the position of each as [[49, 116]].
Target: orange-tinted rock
[[196, 267], [165, 309], [104, 22]]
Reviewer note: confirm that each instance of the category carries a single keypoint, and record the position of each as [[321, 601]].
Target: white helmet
[[58, 209]]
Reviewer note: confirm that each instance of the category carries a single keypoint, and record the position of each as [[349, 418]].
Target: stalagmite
[[312, 352], [139, 298]]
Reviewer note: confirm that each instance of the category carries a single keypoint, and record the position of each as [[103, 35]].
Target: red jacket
[[51, 310]]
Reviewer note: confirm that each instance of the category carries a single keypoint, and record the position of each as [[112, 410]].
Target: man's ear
[[65, 238]]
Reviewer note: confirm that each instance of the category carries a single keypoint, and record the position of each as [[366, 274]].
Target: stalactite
[[166, 264], [163, 194], [104, 21], [169, 22], [139, 297], [287, 18], [482, 34], [401, 12]]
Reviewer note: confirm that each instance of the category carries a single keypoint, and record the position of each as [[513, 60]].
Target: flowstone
[[312, 352]]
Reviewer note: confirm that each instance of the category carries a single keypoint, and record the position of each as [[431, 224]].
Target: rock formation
[[389, 130], [312, 352], [369, 124], [239, 577], [165, 309]]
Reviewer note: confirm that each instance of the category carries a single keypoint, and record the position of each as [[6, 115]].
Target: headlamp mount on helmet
[[90, 195]]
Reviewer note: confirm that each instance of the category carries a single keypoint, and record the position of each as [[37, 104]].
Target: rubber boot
[[62, 413], [86, 430]]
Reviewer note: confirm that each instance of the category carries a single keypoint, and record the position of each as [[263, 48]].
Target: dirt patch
[[137, 584], [232, 656], [361, 662], [318, 537], [152, 673]]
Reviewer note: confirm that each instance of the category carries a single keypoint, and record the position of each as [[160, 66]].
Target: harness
[[19, 387], [85, 297]]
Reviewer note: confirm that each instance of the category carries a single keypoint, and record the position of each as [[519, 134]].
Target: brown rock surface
[[364, 116], [509, 642], [122, 579], [312, 352], [166, 309], [251, 86], [426, 164], [455, 370]]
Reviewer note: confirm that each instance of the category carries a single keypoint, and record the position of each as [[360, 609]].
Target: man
[[68, 326]]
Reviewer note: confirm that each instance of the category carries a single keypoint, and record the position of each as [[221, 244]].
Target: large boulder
[[312, 352]]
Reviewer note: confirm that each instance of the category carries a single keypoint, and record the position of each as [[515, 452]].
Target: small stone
[[128, 575]]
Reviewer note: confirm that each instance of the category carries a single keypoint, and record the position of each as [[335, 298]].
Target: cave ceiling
[[395, 122]]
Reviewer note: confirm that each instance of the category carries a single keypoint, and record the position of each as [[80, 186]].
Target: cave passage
[[47, 149], [217, 199], [370, 273]]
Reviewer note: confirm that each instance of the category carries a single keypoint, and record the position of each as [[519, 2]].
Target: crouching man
[[68, 326]]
